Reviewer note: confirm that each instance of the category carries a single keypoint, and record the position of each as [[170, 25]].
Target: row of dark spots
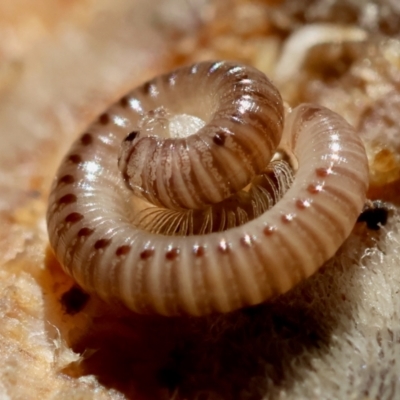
[[198, 251], [170, 255], [68, 179], [102, 244], [86, 140]]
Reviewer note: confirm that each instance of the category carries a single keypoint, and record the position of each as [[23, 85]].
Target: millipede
[[197, 192]]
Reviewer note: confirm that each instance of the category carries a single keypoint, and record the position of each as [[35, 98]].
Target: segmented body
[[244, 115], [91, 218]]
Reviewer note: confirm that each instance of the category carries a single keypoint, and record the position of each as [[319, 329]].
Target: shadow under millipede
[[241, 355]]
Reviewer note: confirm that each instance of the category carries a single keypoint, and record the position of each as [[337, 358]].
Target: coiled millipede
[[198, 234]]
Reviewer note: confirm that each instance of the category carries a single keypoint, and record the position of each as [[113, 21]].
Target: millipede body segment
[[191, 143]]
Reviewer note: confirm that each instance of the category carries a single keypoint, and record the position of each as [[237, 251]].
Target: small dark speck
[[66, 179], [102, 244], [73, 218], [87, 139], [132, 136], [146, 253], [75, 158], [67, 199], [124, 102], [199, 251], [123, 250], [172, 254], [219, 139], [84, 232], [74, 300], [375, 214], [104, 119], [146, 87]]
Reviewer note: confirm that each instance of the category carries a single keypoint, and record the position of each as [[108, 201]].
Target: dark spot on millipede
[[131, 136], [104, 119], [223, 247], [172, 254], [323, 172], [87, 139], [66, 179], [302, 204], [287, 218], [374, 215], [315, 188], [124, 102], [219, 138], [74, 300], [199, 251], [123, 250], [102, 244], [84, 232], [269, 230], [75, 158], [73, 217], [246, 241], [146, 87], [67, 199], [147, 253]]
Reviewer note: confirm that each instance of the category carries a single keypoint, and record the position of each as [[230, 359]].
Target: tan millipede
[[92, 213]]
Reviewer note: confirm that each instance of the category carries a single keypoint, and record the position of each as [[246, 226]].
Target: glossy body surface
[[91, 216]]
